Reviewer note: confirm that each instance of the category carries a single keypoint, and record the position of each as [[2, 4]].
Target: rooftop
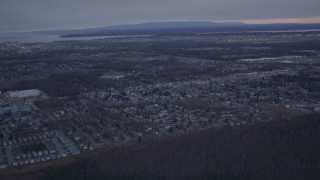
[[25, 93]]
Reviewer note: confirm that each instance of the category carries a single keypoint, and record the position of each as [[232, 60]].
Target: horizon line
[[310, 20]]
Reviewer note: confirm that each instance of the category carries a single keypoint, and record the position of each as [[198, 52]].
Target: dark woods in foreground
[[272, 150]]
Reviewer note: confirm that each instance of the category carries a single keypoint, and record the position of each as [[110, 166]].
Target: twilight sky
[[23, 15]]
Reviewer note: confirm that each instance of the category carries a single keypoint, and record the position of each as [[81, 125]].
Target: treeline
[[273, 150], [51, 86]]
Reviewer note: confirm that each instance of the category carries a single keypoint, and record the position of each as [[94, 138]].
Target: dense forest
[[271, 150]]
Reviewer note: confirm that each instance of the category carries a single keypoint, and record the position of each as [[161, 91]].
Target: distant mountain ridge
[[174, 28], [181, 24], [171, 28], [147, 26]]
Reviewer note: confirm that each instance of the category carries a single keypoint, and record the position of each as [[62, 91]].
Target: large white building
[[25, 93]]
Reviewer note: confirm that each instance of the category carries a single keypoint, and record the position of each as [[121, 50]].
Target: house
[[48, 158], [3, 165], [50, 146], [34, 154], [53, 156], [32, 161], [15, 163], [21, 163], [67, 142]]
